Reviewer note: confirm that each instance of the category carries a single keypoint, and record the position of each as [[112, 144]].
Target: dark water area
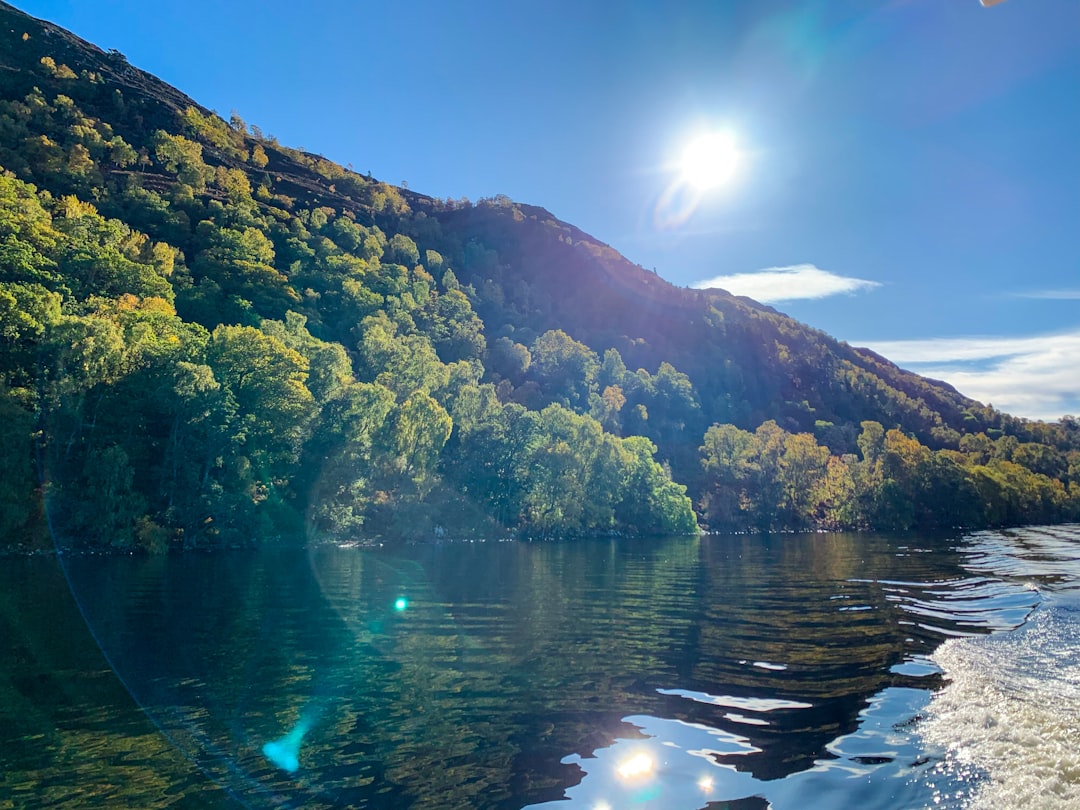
[[743, 672]]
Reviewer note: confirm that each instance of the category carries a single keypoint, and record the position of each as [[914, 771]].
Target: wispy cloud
[[787, 283], [1050, 295], [1035, 376]]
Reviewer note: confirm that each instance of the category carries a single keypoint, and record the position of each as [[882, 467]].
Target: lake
[[746, 672]]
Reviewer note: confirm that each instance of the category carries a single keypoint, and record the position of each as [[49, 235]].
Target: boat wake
[[1009, 718]]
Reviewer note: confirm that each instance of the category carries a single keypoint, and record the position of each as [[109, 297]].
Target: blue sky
[[910, 176]]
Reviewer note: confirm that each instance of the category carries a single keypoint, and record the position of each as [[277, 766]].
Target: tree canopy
[[211, 339]]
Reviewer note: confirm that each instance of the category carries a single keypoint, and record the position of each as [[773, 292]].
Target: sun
[[711, 160]]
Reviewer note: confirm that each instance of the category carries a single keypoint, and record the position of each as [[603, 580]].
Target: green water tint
[[480, 675]]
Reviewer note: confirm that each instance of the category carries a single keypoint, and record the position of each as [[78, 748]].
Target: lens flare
[[284, 752]]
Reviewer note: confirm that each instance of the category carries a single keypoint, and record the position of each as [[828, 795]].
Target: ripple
[[1049, 556], [770, 666], [962, 606], [916, 666], [751, 704]]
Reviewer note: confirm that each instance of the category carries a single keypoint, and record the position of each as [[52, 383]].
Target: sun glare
[[639, 765], [711, 160]]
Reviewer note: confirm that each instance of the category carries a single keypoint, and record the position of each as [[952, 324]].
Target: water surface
[[791, 671]]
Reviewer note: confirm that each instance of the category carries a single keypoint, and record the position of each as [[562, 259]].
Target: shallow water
[[792, 671]]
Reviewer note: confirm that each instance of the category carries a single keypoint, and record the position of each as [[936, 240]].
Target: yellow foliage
[[72, 207], [60, 71], [156, 304], [127, 303]]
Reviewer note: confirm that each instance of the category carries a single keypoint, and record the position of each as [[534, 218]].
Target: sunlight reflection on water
[[1004, 733], [583, 675], [694, 764]]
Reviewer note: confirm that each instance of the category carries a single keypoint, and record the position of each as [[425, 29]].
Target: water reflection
[[669, 674], [753, 704], [694, 766]]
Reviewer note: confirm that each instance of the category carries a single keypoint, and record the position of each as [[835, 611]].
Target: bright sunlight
[[711, 160]]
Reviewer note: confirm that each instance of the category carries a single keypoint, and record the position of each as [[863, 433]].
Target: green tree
[[650, 502], [339, 460], [575, 475], [19, 502], [402, 363], [182, 157], [26, 312], [266, 380], [803, 471], [420, 428], [565, 368], [238, 264], [723, 458], [508, 360], [403, 250], [764, 496], [258, 156], [106, 257]]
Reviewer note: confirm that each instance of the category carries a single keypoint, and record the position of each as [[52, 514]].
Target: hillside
[[211, 338]]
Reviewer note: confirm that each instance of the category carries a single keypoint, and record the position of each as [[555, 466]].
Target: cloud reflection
[[694, 763], [752, 704], [668, 771]]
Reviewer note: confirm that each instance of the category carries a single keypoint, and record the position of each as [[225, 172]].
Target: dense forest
[[209, 339]]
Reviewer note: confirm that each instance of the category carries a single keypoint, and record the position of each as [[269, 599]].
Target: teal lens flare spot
[[285, 751]]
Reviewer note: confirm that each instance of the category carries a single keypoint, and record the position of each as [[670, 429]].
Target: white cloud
[[1051, 295], [1036, 376], [787, 283]]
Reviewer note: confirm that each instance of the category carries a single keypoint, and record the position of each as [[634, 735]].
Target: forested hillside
[[209, 338]]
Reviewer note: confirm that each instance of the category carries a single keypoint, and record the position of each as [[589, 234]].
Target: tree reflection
[[508, 666]]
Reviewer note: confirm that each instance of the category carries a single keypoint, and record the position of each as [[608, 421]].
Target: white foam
[[1012, 712]]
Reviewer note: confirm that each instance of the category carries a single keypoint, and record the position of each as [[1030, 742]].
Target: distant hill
[[211, 338]]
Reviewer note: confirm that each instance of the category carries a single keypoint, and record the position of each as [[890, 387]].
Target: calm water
[[821, 671]]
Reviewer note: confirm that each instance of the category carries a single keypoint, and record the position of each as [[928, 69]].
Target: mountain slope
[[617, 303], [210, 336]]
